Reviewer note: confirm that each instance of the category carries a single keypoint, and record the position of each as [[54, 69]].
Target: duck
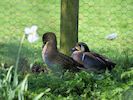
[[55, 60], [91, 60]]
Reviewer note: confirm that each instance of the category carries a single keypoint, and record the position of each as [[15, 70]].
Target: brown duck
[[54, 59], [91, 60]]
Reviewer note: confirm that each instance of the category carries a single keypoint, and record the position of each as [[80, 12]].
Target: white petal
[[27, 30], [34, 28], [33, 37], [111, 36]]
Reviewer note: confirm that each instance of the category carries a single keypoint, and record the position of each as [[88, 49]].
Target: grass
[[15, 16], [96, 20]]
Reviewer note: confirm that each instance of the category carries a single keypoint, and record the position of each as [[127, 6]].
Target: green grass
[[97, 18], [16, 15]]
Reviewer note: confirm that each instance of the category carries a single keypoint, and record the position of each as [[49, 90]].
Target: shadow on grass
[[8, 55], [9, 51]]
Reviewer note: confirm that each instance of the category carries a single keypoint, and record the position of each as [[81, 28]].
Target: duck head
[[80, 46], [49, 38], [78, 50]]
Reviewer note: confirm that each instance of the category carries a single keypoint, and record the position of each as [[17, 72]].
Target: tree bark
[[69, 25]]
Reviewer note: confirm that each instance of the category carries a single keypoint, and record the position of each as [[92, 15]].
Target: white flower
[[33, 38], [111, 36], [31, 32]]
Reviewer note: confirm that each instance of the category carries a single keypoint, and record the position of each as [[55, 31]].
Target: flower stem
[[15, 79]]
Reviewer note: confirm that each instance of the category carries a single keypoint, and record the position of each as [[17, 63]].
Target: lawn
[[97, 19]]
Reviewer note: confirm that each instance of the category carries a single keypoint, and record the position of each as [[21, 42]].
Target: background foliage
[[97, 19]]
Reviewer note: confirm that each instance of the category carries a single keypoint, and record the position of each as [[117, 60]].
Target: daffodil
[[31, 33]]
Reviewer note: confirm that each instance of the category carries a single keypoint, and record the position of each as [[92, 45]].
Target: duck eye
[[44, 42]]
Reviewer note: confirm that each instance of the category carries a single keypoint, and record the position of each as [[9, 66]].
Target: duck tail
[[111, 65]]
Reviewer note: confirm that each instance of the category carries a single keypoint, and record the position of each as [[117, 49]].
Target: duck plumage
[[53, 58], [91, 60]]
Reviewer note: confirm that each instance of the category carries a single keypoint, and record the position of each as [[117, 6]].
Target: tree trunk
[[69, 25]]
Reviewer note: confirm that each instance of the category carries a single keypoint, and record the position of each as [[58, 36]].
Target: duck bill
[[43, 45], [73, 49]]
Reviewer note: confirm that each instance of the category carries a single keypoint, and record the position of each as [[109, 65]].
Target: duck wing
[[94, 59], [68, 63], [93, 63], [92, 56], [109, 63]]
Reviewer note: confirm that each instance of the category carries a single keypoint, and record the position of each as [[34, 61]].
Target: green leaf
[[9, 74], [47, 90], [38, 96], [127, 73]]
